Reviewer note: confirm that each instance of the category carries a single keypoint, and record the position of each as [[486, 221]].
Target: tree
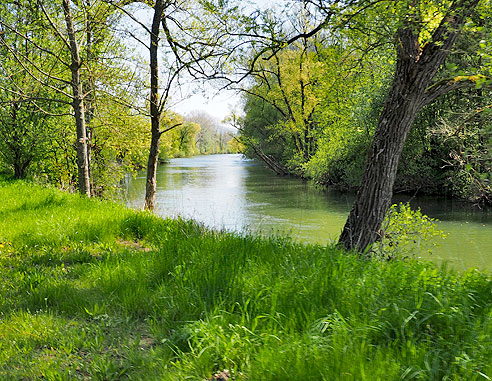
[[77, 100], [212, 138], [193, 36], [24, 124], [74, 59], [180, 141], [424, 32], [22, 131], [418, 60], [52, 75], [303, 96], [155, 106], [286, 95]]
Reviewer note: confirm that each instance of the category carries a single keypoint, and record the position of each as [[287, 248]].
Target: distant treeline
[[199, 134]]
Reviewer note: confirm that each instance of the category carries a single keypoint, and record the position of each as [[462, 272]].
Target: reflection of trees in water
[[133, 189], [209, 189], [261, 187], [287, 192], [447, 209]]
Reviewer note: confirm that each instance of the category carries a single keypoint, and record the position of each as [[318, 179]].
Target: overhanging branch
[[446, 85]]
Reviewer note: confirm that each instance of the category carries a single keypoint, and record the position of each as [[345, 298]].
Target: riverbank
[[238, 194], [91, 289]]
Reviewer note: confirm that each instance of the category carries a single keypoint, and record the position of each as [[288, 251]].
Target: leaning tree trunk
[[155, 112], [409, 92], [376, 189], [78, 105]]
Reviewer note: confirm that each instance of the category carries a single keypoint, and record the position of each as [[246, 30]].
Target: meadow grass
[[92, 290]]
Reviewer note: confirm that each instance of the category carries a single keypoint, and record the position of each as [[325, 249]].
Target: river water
[[234, 193]]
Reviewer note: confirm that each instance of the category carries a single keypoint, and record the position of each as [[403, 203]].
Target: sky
[[217, 105], [222, 104]]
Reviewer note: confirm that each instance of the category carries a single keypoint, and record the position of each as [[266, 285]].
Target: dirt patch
[[134, 245], [225, 375]]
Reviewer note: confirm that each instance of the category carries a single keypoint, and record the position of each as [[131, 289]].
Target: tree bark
[[376, 189], [78, 104], [155, 112], [415, 70], [90, 89]]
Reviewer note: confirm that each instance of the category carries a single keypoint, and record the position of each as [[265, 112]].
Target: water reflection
[[228, 191]]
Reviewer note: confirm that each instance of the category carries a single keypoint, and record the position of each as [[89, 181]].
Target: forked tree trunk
[[155, 112], [415, 70], [78, 104]]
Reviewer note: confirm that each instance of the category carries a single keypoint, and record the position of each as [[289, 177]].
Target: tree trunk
[[20, 168], [90, 89], [416, 67], [78, 105], [376, 189], [155, 112]]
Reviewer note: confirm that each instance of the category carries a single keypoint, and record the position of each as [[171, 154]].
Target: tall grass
[[90, 289]]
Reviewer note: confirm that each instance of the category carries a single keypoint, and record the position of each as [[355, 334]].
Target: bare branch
[[53, 26], [169, 128], [120, 6]]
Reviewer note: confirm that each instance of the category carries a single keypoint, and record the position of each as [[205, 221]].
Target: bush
[[405, 232]]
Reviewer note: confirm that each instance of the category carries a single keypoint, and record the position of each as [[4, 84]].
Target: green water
[[228, 191]]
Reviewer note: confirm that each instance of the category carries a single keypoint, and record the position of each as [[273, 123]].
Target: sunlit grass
[[92, 290]]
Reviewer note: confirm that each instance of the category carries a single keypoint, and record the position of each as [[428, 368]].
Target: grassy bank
[[92, 290]]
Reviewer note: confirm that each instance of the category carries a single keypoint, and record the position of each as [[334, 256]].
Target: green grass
[[92, 290]]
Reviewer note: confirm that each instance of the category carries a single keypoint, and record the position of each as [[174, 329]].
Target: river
[[234, 193]]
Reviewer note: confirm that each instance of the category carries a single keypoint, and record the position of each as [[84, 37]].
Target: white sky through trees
[[193, 96], [219, 105]]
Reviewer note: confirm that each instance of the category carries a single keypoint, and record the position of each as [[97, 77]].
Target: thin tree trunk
[[90, 90], [78, 105], [155, 112]]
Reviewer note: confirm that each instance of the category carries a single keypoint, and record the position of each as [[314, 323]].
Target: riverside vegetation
[[337, 92], [91, 289]]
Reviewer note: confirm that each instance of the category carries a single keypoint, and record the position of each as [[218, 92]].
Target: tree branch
[[53, 26], [170, 128], [446, 85], [446, 33]]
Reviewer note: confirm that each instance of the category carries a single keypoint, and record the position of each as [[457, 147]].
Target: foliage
[[120, 141], [235, 146], [447, 151], [406, 232], [320, 100], [36, 127], [58, 165], [25, 104], [90, 289], [281, 105], [350, 122], [23, 136], [180, 139]]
